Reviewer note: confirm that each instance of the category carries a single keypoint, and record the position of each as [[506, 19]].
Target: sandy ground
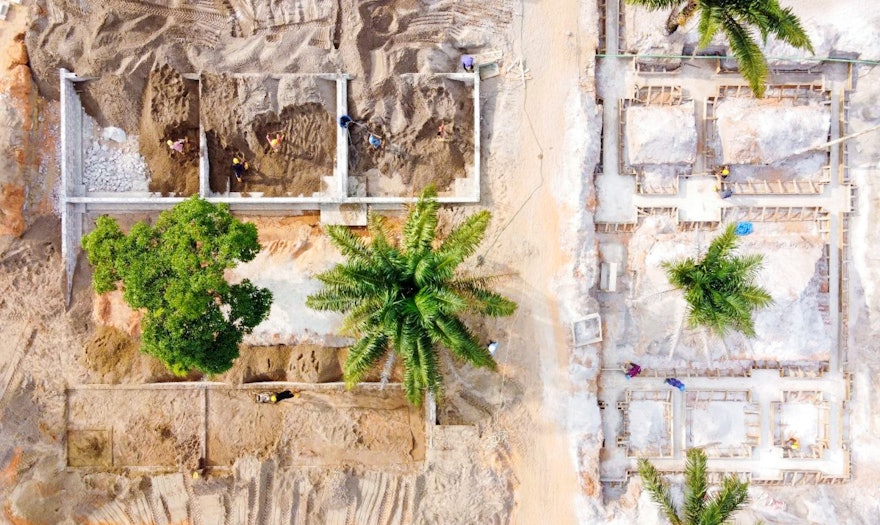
[[518, 447]]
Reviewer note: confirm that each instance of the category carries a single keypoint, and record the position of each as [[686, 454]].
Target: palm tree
[[699, 509], [733, 17], [719, 288], [406, 297]]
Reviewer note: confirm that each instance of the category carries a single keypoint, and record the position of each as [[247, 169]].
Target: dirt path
[[544, 467]]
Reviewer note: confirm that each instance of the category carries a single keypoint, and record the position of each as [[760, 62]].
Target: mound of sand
[[407, 112], [765, 131], [661, 134], [240, 112], [171, 112]]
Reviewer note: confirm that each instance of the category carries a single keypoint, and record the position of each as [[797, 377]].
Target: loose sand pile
[[171, 112], [238, 114], [755, 131], [661, 134], [407, 112]]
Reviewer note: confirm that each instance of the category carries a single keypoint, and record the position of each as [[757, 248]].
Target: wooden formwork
[[656, 68], [643, 96], [774, 214], [696, 372], [843, 337], [795, 92], [665, 399], [843, 172], [616, 227], [645, 188], [717, 478], [601, 8], [785, 187], [621, 25], [670, 211], [657, 95], [804, 372], [687, 226], [701, 398], [710, 121]]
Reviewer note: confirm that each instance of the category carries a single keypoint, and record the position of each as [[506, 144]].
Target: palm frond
[[430, 369], [695, 485], [348, 243], [487, 302], [361, 315], [421, 223], [756, 296], [655, 5], [786, 26], [659, 491], [457, 338], [708, 27], [363, 356], [734, 494], [329, 301], [462, 242], [748, 54]]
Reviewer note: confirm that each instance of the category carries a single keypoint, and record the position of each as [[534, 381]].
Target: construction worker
[[631, 370], [375, 141], [176, 145], [441, 132], [281, 396], [467, 63], [492, 347], [793, 443], [275, 143], [675, 383], [239, 168], [345, 121]]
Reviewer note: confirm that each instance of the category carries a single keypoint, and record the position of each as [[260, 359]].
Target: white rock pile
[[111, 162]]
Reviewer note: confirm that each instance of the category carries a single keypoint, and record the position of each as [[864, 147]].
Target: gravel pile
[[111, 162]]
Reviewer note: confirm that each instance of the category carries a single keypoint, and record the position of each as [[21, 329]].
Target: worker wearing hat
[[238, 168]]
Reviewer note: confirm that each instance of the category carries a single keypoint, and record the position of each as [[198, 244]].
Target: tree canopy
[[174, 270], [699, 508], [719, 288], [734, 18], [405, 295]]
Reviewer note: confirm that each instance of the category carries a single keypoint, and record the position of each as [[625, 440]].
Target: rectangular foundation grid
[[76, 203]]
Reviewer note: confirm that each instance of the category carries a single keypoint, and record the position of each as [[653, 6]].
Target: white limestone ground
[[719, 423], [648, 428], [661, 134], [791, 329], [800, 420], [765, 131]]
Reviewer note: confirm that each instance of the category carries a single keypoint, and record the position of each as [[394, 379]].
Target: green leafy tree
[[405, 295], [194, 319], [734, 18], [719, 288], [699, 508]]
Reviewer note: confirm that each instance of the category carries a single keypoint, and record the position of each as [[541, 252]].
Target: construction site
[[595, 140]]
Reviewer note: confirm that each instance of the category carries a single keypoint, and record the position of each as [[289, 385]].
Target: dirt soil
[[239, 114], [318, 428], [406, 113], [171, 112]]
